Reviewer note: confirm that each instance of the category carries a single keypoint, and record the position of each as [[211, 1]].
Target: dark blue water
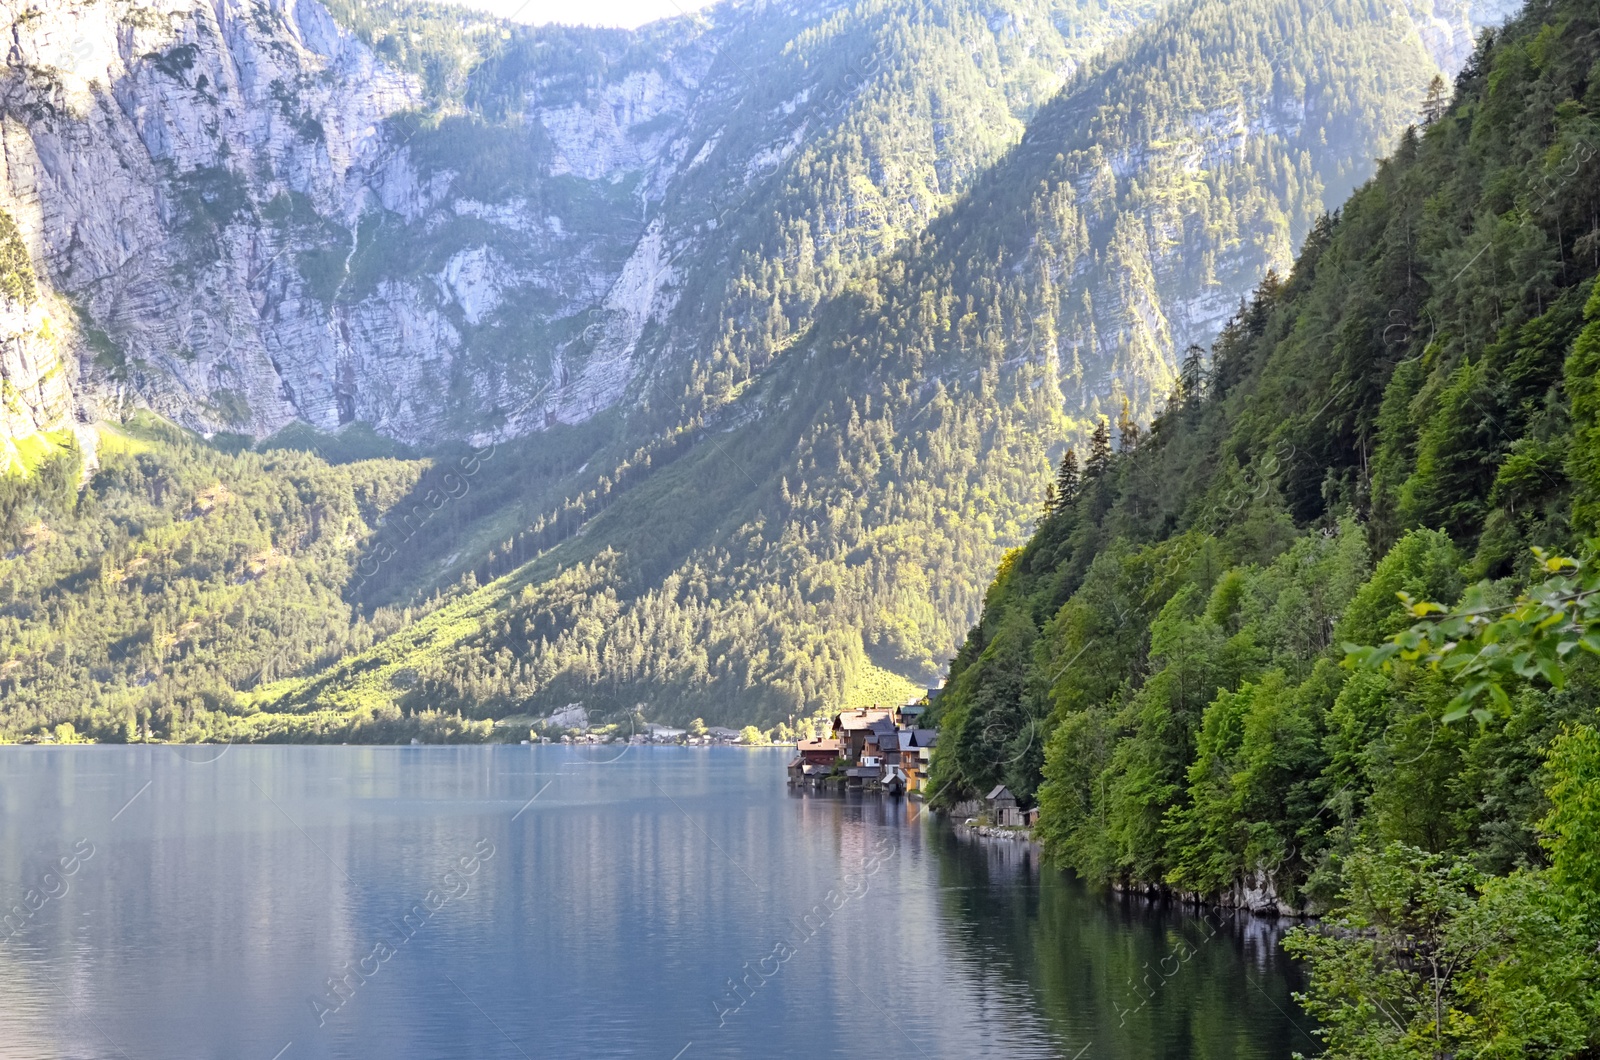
[[298, 902]]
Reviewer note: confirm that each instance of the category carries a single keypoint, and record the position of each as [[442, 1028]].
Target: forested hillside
[[562, 231], [182, 576], [823, 524], [1410, 410], [843, 411], [816, 143]]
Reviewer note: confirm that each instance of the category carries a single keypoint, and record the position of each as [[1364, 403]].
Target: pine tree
[[1437, 100], [1127, 428], [1099, 452], [1066, 487], [1052, 501], [1192, 378]]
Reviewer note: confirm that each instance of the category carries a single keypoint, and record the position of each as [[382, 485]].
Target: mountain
[[822, 526], [749, 418], [447, 227], [1409, 409], [1391, 430]]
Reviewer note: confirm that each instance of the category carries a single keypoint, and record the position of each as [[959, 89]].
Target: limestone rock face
[[1449, 28], [36, 333], [221, 192], [147, 141], [1143, 280], [37, 393]]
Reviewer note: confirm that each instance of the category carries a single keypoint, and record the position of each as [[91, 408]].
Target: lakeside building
[[916, 755], [1003, 807], [814, 760], [871, 749], [888, 751], [852, 727]]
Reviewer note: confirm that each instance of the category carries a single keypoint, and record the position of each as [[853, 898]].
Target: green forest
[[149, 603], [1322, 637], [811, 523], [896, 335]]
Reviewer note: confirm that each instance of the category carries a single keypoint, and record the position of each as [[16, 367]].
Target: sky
[[629, 13]]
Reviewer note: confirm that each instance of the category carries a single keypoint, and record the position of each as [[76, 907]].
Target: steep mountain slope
[[1410, 410], [35, 386], [847, 492]]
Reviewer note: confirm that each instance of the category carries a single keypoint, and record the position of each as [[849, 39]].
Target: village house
[[814, 759], [916, 755], [852, 727], [877, 742], [1002, 807], [857, 777], [893, 776], [883, 749]]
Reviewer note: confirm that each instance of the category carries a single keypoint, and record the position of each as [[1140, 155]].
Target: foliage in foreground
[[1429, 957]]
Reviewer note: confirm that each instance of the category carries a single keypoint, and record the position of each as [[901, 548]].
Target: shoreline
[[1266, 904]]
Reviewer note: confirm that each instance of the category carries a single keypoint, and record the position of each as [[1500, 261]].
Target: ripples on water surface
[[207, 906]]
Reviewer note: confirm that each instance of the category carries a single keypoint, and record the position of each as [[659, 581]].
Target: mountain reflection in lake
[[297, 902]]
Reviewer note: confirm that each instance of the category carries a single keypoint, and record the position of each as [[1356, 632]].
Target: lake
[[279, 903]]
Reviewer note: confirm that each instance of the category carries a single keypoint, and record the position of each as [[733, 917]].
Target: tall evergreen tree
[[1066, 487], [1099, 452], [1191, 378], [1436, 102], [1127, 428]]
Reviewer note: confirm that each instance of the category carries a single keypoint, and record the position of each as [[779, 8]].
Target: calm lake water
[[297, 902]]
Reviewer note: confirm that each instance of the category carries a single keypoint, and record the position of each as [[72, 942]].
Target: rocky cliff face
[[1155, 283], [35, 392], [1146, 277], [257, 219], [145, 149], [1449, 28], [220, 191]]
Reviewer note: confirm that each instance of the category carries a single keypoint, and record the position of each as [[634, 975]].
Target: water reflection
[[508, 902], [1134, 977]]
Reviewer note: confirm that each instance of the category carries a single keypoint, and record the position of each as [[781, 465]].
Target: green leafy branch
[[1485, 647]]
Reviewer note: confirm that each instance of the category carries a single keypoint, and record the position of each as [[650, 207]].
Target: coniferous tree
[[1437, 100], [1192, 378], [1099, 451], [1066, 486], [1127, 428]]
